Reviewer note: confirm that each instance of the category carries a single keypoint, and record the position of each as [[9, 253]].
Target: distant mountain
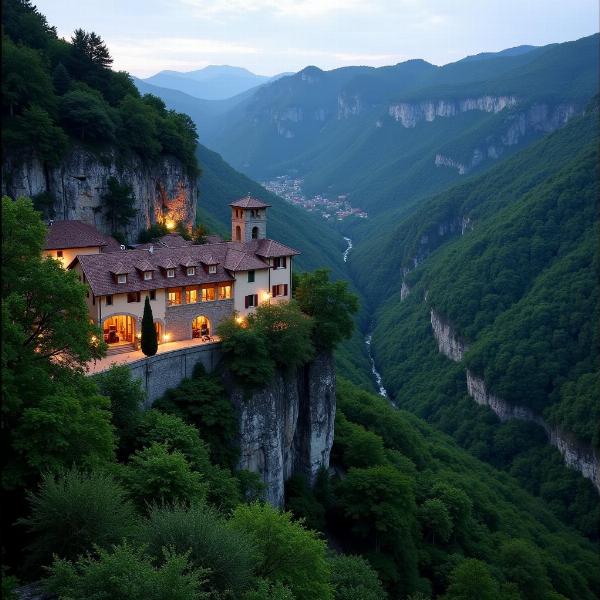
[[516, 51], [212, 82], [388, 135]]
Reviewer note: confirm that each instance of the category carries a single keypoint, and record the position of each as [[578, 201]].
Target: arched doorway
[[119, 330], [201, 328], [238, 233], [255, 233]]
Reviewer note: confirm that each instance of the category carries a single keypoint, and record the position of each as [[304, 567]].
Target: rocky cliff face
[[449, 343], [287, 427], [576, 455], [163, 190]]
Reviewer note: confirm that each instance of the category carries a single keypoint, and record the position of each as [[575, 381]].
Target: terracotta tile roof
[[74, 234], [213, 239], [170, 240], [249, 202], [229, 257]]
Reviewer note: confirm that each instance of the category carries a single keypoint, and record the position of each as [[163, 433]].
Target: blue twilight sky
[[271, 36]]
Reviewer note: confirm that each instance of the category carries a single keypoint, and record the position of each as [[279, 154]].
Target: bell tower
[[248, 219]]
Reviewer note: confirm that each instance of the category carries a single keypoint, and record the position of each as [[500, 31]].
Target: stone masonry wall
[[178, 319]]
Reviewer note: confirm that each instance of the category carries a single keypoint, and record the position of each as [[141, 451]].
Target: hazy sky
[[271, 36]]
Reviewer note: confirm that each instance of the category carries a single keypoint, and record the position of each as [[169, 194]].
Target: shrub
[[125, 572], [353, 578], [72, 512], [229, 556]]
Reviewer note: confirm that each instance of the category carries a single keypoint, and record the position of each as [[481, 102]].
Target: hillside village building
[[191, 287]]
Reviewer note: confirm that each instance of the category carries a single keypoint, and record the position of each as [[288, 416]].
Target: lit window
[[251, 276], [208, 294], [212, 269], [147, 275], [191, 295], [121, 278], [191, 270], [174, 297], [170, 273], [224, 292]]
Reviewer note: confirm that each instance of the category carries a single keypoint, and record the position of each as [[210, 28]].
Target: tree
[[75, 511], [331, 305], [228, 556], [288, 553], [125, 572], [472, 579], [203, 403], [86, 115], [126, 401], [353, 578], [149, 340], [435, 520], [268, 590], [119, 203], [246, 353], [138, 127], [354, 446], [287, 332], [61, 79], [521, 564], [162, 475]]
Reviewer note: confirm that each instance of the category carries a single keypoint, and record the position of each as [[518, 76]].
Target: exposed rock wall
[[162, 190], [287, 427], [576, 455], [449, 343]]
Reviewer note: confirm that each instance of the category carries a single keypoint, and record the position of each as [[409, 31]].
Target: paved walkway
[[103, 364]]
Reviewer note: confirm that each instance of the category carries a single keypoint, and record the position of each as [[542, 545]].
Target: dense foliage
[[57, 93]]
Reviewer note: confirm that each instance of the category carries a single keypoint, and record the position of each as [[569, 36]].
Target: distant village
[[329, 209]]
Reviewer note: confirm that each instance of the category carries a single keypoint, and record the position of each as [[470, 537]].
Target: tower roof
[[248, 202]]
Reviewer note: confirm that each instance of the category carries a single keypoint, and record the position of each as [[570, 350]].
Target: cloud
[[146, 57], [286, 8]]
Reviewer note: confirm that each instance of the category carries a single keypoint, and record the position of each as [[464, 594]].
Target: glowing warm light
[[265, 296], [166, 337], [239, 320], [139, 336], [94, 339], [170, 224]]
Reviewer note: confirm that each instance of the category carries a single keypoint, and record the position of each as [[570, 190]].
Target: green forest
[[57, 93]]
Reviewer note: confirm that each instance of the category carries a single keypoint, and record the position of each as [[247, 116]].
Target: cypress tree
[[149, 341]]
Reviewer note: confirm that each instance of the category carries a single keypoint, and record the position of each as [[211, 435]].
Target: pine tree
[[149, 340], [61, 79]]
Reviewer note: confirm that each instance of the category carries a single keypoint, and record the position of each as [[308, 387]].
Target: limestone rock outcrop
[[287, 427], [449, 343], [162, 189]]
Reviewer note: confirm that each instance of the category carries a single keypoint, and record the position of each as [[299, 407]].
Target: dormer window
[[147, 275], [122, 278], [170, 273], [212, 269], [191, 271]]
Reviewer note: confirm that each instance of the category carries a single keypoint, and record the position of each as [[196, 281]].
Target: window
[[108, 300], [191, 271], [238, 233], [93, 300], [170, 273], [208, 294], [191, 295], [251, 300], [251, 276], [121, 278], [152, 294], [279, 262], [212, 269], [255, 233], [224, 292], [133, 297], [59, 254], [279, 290], [147, 275], [174, 297]]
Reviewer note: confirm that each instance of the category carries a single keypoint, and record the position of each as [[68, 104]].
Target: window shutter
[[255, 300], [285, 289], [274, 291], [246, 301]]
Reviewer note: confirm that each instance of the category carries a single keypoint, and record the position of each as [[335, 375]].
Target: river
[[374, 371]]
